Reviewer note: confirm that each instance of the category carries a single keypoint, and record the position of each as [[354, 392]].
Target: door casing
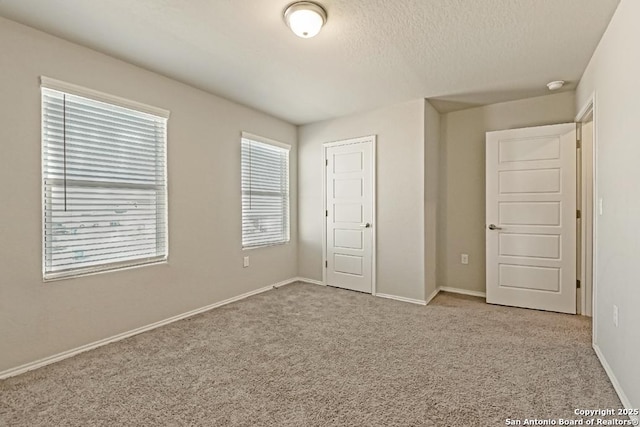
[[589, 110]]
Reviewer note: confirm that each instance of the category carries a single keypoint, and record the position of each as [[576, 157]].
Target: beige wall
[[614, 75], [431, 165], [462, 179], [400, 194], [205, 257]]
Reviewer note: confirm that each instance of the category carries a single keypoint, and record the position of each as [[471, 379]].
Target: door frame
[[325, 159], [590, 109]]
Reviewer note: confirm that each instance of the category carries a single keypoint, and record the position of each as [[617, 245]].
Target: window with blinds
[[104, 183], [265, 192]]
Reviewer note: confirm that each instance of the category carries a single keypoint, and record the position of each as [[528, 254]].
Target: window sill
[[55, 277], [270, 245]]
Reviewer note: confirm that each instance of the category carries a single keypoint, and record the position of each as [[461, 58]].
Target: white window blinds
[[265, 192], [104, 185]]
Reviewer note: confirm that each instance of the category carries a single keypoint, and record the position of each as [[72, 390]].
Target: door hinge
[[326, 162], [578, 214], [578, 284], [326, 213], [326, 264], [578, 144]]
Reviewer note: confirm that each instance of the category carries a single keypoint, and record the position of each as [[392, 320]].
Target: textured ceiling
[[371, 53]]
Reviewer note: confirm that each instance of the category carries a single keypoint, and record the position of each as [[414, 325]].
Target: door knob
[[367, 225], [494, 227]]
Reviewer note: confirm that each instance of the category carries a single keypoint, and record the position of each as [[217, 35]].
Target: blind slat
[[86, 252], [104, 236], [70, 265], [72, 153], [95, 142]]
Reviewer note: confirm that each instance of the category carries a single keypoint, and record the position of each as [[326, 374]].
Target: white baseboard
[[433, 295], [70, 353], [614, 381], [311, 281], [403, 299], [463, 291], [394, 297]]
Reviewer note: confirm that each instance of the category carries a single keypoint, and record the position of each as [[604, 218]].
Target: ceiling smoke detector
[[555, 85], [305, 18]]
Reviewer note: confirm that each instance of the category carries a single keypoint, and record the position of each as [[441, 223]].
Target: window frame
[[94, 95], [246, 136]]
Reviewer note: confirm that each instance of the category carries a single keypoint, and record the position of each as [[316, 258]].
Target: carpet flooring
[[306, 355]]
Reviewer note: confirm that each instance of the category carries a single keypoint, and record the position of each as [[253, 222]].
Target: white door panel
[[349, 214], [530, 277], [530, 181], [529, 245], [529, 213], [531, 202]]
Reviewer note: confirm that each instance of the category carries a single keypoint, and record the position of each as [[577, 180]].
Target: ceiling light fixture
[[555, 85], [305, 18]]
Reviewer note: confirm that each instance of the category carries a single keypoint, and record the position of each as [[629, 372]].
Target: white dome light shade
[[555, 85], [305, 18]]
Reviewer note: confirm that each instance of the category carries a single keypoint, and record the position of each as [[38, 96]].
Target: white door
[[531, 217], [349, 214]]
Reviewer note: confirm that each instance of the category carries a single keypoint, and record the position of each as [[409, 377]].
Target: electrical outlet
[[615, 315], [464, 258], [246, 261]]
